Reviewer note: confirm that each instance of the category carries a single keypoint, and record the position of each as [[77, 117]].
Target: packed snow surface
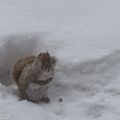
[[84, 36]]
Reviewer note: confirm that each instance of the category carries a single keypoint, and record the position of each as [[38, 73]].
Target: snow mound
[[89, 90]]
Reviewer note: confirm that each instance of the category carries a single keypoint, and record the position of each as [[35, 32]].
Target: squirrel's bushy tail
[[18, 67]]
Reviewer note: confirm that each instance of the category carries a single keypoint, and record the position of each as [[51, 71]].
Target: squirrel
[[32, 75]]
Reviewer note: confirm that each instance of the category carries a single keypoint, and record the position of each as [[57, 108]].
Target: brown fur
[[18, 67], [43, 62]]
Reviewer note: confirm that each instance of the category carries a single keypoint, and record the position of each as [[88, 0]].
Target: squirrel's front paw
[[45, 99]]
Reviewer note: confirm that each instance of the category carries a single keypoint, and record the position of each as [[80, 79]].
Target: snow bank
[[89, 90], [84, 35]]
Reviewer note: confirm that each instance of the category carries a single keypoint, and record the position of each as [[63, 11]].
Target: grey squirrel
[[33, 75]]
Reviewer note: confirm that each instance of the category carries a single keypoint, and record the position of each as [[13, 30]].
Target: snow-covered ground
[[84, 36]]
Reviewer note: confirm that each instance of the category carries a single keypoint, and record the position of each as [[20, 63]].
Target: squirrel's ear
[[48, 53]]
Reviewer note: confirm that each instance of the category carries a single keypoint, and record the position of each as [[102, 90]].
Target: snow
[[84, 36]]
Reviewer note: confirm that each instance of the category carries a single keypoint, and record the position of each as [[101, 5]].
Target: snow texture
[[84, 36]]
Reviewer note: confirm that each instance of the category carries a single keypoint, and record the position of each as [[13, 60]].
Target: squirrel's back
[[18, 67]]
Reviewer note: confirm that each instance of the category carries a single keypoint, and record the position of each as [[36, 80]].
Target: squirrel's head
[[47, 62]]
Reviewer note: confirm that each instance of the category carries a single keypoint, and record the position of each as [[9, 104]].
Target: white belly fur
[[35, 91]]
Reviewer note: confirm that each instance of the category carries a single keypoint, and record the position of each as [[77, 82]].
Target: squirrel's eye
[[48, 69]]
